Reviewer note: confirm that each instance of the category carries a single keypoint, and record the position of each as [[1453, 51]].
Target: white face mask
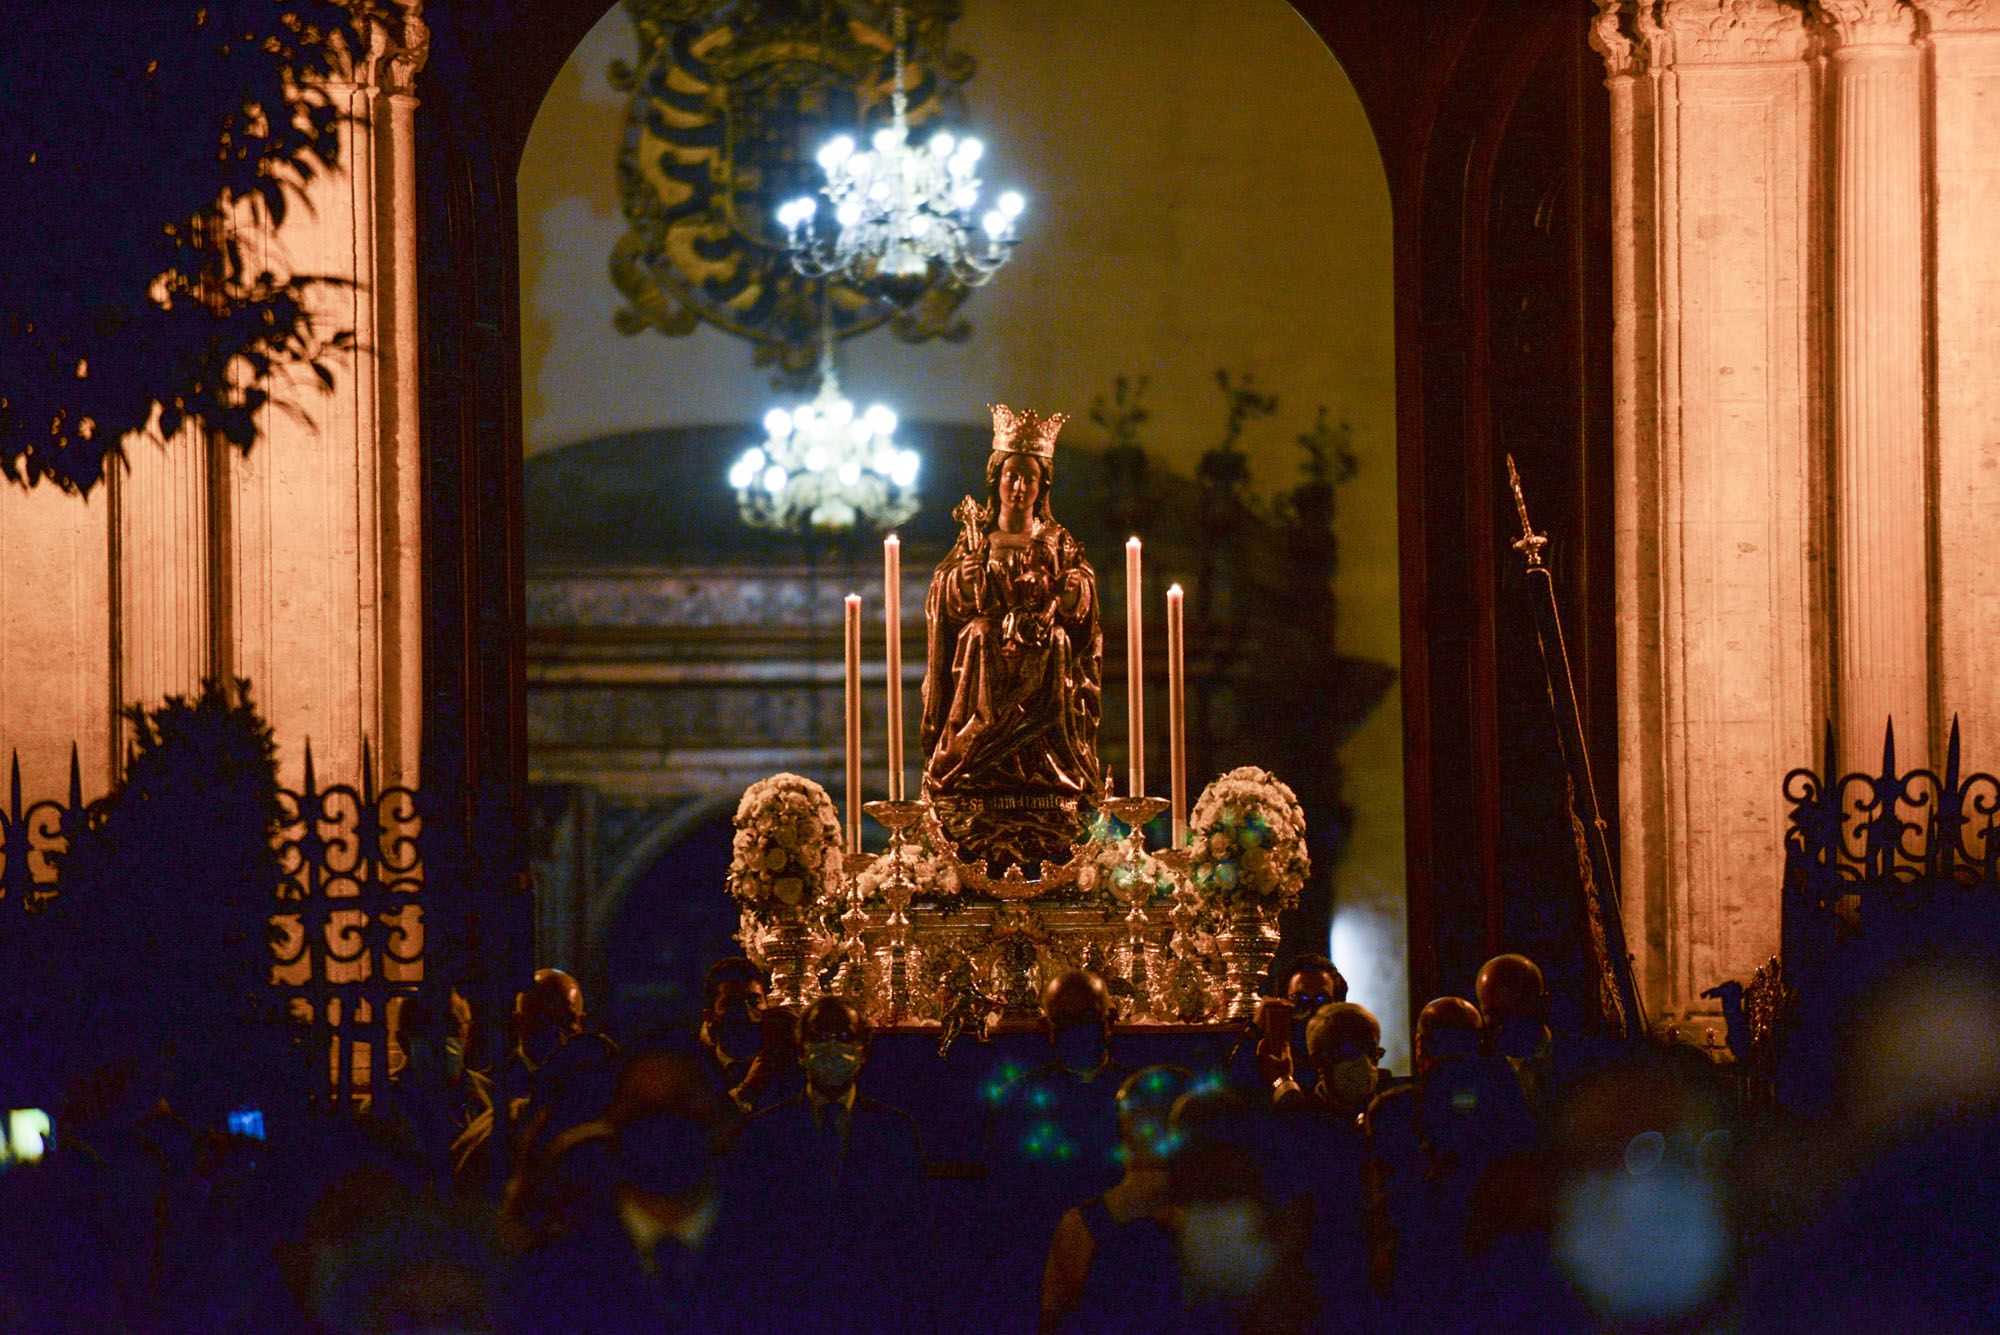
[[1224, 1253], [1352, 1081]]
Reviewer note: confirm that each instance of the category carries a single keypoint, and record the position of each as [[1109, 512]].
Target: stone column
[[1963, 40], [1635, 517], [1881, 533], [324, 511], [1720, 598]]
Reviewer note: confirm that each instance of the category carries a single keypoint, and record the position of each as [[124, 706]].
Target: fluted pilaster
[[326, 513], [1716, 471], [1882, 576], [162, 636], [1962, 38]]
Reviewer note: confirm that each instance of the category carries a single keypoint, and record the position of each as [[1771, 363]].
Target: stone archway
[[1492, 130]]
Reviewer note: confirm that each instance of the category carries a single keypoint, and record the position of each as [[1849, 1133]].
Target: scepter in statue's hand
[[971, 517]]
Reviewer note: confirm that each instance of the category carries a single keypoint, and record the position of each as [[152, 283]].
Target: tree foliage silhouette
[[131, 131], [157, 948]]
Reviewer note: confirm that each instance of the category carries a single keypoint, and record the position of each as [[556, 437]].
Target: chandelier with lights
[[903, 215], [823, 465]]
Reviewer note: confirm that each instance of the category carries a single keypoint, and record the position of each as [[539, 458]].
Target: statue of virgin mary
[[1013, 677]]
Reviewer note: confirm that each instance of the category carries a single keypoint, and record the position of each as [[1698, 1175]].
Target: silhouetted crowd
[[757, 1174]]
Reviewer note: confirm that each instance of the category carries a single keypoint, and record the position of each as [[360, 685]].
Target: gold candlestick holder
[[897, 889], [1134, 892], [850, 980], [1135, 812]]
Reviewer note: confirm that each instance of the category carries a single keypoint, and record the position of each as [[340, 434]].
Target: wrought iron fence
[[350, 948], [1877, 831], [34, 837], [1882, 870], [347, 913]]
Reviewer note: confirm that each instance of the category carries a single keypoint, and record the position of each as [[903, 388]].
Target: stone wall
[[1805, 281]]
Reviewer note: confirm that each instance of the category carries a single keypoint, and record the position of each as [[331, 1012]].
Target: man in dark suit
[[836, 1166]]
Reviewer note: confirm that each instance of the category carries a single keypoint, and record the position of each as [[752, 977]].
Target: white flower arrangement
[[933, 874], [787, 844], [1247, 842]]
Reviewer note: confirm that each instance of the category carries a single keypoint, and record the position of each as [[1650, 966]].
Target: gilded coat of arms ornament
[[729, 101]]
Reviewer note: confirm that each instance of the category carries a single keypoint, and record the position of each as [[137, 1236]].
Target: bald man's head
[[1078, 997], [1447, 1027], [552, 1001], [1510, 987]]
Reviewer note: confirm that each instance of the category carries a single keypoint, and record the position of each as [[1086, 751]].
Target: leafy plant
[[132, 132]]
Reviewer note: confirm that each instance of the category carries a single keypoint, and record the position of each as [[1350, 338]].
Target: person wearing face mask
[[1051, 1140], [1241, 1233], [851, 1164], [1306, 983], [1345, 1044], [1514, 1008], [1111, 1261], [743, 1062], [428, 1105]]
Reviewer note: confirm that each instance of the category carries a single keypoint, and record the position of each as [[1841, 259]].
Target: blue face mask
[[830, 1064]]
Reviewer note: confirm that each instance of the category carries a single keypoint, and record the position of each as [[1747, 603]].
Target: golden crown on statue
[[1025, 432]]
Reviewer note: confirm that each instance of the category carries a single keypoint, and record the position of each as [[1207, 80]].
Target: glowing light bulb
[[942, 144], [1011, 204], [964, 197], [904, 472], [777, 424], [835, 151], [970, 149], [805, 418], [775, 479], [816, 460], [850, 473], [886, 139], [841, 413], [881, 420], [849, 213], [995, 224]]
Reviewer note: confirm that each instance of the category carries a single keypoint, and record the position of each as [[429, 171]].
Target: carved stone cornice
[[1613, 36], [1853, 23], [1721, 32], [1956, 16]]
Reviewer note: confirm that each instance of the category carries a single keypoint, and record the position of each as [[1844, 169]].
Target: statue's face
[[1020, 483]]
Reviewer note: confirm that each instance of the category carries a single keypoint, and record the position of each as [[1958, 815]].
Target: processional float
[[1017, 861]]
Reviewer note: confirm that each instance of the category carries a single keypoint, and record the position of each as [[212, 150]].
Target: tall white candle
[[853, 636], [1176, 715], [1135, 664], [892, 617]]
